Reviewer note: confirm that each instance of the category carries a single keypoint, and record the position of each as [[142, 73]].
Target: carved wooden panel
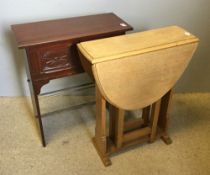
[[54, 58]]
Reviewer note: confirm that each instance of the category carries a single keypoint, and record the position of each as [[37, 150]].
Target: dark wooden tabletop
[[36, 33]]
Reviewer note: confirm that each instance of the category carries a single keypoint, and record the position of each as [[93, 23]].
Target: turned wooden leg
[[163, 122], [117, 125], [100, 140], [154, 120]]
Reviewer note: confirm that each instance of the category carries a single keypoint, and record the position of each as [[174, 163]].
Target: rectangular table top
[[37, 33], [136, 43]]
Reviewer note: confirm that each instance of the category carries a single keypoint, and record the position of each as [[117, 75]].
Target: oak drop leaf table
[[135, 71]]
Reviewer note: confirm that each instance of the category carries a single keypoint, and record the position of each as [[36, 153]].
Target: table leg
[[163, 121], [146, 114], [116, 127], [35, 90], [112, 122], [100, 139], [154, 119]]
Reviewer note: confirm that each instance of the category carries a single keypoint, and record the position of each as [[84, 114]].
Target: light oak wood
[[118, 115], [133, 124], [118, 47], [114, 149], [137, 134], [137, 71], [146, 114], [100, 140], [164, 119], [154, 119], [150, 73]]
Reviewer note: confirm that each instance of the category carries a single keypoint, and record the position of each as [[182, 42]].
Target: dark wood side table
[[51, 48]]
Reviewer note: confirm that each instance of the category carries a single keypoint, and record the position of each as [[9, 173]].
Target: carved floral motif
[[54, 60]]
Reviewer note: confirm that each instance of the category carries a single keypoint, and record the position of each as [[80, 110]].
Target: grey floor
[[69, 148]]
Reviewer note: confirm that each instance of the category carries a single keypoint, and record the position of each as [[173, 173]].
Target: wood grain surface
[[136, 43], [135, 70], [36, 33], [138, 81]]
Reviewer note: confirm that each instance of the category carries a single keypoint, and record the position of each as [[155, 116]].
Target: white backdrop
[[193, 15]]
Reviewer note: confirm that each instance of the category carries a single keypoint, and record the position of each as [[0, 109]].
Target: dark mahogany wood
[[31, 34], [51, 48]]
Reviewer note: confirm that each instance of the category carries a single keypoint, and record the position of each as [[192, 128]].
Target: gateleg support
[[164, 117], [154, 120]]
